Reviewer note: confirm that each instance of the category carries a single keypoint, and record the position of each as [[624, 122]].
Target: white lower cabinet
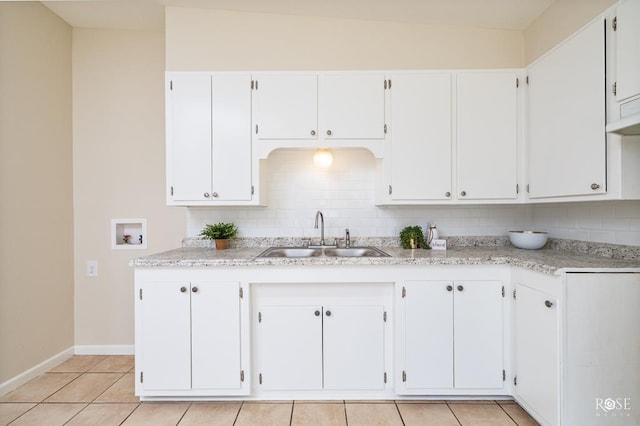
[[326, 345], [188, 339], [453, 336], [576, 347], [537, 351]]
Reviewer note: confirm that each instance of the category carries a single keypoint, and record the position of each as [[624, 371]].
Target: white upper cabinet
[[487, 135], [628, 49], [351, 105], [566, 117], [209, 139], [286, 106], [188, 137], [418, 156]]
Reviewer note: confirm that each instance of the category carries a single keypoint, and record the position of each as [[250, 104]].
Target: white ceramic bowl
[[528, 239]]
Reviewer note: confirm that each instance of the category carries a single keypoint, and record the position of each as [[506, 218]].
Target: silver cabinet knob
[[313, 133], [328, 132], [595, 186], [449, 288], [206, 195], [183, 289], [215, 194], [460, 288], [194, 289], [463, 193], [317, 313], [447, 194], [548, 303], [328, 313]]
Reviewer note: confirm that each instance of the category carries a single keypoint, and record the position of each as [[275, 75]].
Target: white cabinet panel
[[487, 135], [429, 331], [628, 49], [189, 334], [477, 320], [166, 336], [420, 130], [566, 118], [290, 347], [209, 138], [453, 336], [351, 106], [231, 141], [287, 106], [353, 346], [189, 136], [537, 351], [215, 335]]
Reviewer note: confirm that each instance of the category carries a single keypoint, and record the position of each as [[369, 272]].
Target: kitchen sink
[[289, 252]]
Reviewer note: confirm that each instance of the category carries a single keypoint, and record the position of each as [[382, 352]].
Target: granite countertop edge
[[547, 260]]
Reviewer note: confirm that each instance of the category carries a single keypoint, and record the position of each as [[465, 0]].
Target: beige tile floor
[[98, 390]]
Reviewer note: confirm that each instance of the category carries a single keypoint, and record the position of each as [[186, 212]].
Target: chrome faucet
[[319, 214], [347, 238]]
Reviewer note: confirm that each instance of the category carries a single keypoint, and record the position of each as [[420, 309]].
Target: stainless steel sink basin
[[289, 252]]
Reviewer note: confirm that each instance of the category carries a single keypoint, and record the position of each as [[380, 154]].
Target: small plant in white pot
[[221, 233]]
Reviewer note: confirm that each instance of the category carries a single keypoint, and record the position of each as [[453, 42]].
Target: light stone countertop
[[547, 260]]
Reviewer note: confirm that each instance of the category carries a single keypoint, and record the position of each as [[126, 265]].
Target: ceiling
[[149, 14]]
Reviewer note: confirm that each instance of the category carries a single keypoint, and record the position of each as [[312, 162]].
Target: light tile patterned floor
[[98, 390]]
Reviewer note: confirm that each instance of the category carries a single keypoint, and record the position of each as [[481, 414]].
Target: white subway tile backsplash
[[345, 193]]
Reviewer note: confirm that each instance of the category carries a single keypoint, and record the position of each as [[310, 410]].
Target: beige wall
[[36, 217], [560, 20], [199, 39], [118, 164]]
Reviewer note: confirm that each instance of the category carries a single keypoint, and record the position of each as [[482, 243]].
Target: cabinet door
[[215, 335], [353, 347], [166, 336], [566, 111], [420, 136], [290, 347], [477, 319], [487, 135], [628, 50], [351, 106], [231, 140], [537, 355], [287, 106], [189, 136], [428, 321]]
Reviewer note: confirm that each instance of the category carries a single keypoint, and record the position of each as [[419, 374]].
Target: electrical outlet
[[92, 268]]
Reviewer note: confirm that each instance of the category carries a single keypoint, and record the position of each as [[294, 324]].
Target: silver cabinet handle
[[206, 195], [215, 194], [449, 288], [548, 303], [317, 313], [194, 289], [460, 288], [313, 133], [183, 289], [463, 193], [328, 132], [447, 194], [328, 313], [595, 186]]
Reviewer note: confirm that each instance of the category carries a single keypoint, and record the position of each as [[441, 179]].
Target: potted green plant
[[412, 237], [221, 233]]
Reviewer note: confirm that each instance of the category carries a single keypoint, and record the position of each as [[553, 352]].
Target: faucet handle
[[347, 238]]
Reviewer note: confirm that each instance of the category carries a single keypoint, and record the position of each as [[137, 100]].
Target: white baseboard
[[104, 349], [33, 372]]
